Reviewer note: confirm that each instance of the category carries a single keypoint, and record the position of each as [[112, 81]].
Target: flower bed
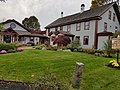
[[19, 49], [114, 64], [3, 52]]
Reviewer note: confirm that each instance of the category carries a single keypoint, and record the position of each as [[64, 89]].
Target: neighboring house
[[16, 32], [92, 27]]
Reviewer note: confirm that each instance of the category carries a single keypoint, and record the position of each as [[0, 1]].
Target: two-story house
[[92, 27]]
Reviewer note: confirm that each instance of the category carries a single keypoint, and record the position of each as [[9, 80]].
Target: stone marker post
[[77, 77]]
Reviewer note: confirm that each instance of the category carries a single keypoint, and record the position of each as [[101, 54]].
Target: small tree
[[108, 47], [74, 45], [116, 34], [62, 41]]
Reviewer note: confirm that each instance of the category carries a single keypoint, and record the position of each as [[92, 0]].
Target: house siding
[[7, 25], [110, 23], [110, 26]]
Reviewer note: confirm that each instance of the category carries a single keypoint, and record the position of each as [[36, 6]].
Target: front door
[[7, 38]]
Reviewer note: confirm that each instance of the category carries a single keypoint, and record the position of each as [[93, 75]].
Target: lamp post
[[117, 55]]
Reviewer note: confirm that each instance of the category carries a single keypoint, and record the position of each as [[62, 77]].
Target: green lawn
[[96, 76]]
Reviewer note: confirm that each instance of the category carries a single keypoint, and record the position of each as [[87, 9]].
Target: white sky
[[45, 10]]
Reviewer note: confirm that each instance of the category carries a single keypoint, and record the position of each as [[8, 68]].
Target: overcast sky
[[45, 10]]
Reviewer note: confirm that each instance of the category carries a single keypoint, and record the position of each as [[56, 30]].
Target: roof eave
[[75, 21]]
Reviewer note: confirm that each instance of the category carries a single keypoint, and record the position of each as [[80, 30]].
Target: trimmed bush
[[89, 51], [7, 46], [40, 47], [31, 44]]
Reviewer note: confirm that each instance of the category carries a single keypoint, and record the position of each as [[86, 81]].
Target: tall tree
[[1, 27], [96, 3], [31, 23], [3, 0]]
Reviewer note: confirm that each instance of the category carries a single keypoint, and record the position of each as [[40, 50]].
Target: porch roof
[[34, 35], [105, 33]]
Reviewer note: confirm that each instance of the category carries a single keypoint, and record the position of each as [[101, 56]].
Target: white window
[[110, 15], [78, 25], [86, 25], [114, 17], [105, 26], [68, 27], [86, 40]]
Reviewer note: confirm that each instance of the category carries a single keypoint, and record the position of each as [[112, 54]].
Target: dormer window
[[86, 25], [110, 15], [114, 17], [68, 27]]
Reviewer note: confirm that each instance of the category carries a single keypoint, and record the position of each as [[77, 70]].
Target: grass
[[22, 65]]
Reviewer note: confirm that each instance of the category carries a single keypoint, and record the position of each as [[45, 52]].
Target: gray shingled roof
[[63, 32], [91, 14]]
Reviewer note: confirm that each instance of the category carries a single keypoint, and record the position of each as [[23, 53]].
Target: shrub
[[11, 51], [108, 48], [89, 51], [40, 47], [75, 45], [7, 46], [31, 43], [62, 41], [99, 51]]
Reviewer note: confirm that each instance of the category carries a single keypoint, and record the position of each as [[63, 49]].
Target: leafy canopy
[[115, 35], [31, 23], [1, 27], [96, 3], [3, 0], [62, 40]]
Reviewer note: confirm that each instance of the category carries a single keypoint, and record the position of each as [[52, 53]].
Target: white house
[[92, 27], [16, 32]]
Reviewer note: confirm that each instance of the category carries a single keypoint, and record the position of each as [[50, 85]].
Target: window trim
[[84, 40], [114, 17], [87, 25], [105, 26], [61, 28], [78, 25], [110, 15]]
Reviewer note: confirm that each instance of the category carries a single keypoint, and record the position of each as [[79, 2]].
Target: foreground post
[[77, 77]]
